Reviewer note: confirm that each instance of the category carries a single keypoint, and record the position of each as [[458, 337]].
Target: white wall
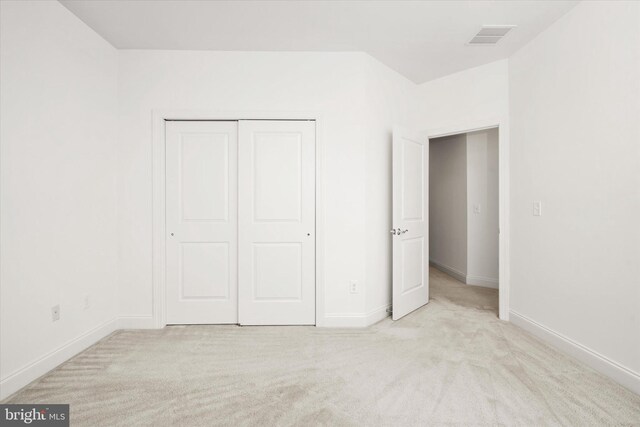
[[482, 193], [463, 99], [575, 131], [448, 204], [335, 85], [58, 106]]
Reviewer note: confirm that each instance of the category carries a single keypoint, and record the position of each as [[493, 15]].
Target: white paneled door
[[410, 231], [201, 222], [276, 255]]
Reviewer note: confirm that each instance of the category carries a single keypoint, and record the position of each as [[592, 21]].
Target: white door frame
[[159, 117], [503, 195]]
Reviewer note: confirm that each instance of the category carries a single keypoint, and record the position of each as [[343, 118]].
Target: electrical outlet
[[55, 313], [353, 286], [87, 302], [537, 208]]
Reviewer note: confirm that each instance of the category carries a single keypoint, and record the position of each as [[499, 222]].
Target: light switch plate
[[537, 208]]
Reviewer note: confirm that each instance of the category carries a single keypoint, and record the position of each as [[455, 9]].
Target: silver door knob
[[403, 231], [393, 231]]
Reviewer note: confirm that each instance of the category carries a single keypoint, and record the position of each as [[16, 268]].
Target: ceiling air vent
[[490, 34]]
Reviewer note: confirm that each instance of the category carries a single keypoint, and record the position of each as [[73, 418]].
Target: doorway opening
[[464, 218]]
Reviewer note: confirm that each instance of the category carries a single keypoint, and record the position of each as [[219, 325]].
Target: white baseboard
[[136, 322], [469, 279], [380, 313], [456, 274], [23, 376], [621, 374], [355, 320], [486, 282]]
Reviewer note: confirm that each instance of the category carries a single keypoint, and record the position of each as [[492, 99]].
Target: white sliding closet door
[[201, 222], [276, 222]]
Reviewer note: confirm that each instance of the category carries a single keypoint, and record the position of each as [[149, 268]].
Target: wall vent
[[490, 35]]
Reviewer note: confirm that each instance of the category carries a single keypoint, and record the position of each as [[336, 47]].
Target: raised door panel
[[204, 180], [412, 181], [277, 274], [277, 175], [412, 264], [204, 271]]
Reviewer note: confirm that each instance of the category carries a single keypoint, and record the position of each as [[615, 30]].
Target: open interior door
[[410, 231]]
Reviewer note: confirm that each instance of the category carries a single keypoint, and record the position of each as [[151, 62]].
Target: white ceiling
[[422, 40]]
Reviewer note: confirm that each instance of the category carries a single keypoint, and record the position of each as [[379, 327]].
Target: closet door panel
[[201, 222], [276, 222]]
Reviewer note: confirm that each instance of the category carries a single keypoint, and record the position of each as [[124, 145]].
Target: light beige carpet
[[452, 362]]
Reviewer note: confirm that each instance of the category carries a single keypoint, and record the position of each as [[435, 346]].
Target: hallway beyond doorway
[[451, 292]]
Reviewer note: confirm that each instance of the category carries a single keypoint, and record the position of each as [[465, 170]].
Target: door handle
[[397, 231]]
